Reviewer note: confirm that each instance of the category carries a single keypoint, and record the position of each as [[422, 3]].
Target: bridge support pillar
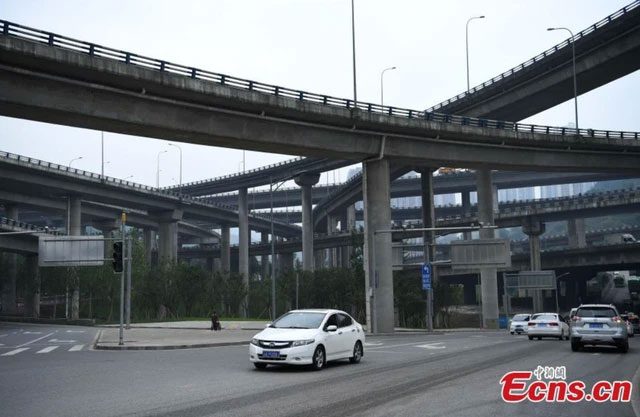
[[377, 246], [332, 228], [466, 210], [264, 259], [285, 261], [32, 299], [307, 181], [168, 235], [9, 276], [149, 240], [577, 233], [74, 228], [488, 276], [428, 238], [243, 245], [533, 228], [225, 250]]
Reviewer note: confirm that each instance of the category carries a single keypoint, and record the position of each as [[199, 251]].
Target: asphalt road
[[404, 375]]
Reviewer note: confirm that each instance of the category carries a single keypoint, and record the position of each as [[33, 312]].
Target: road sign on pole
[[426, 276]]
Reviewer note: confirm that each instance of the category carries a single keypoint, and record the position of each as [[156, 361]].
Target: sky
[[306, 44]]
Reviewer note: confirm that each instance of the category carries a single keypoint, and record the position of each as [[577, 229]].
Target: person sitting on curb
[[215, 321]]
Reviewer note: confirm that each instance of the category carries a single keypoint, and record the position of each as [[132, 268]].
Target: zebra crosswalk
[[48, 349]]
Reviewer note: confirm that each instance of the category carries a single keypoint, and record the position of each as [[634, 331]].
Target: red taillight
[[575, 318], [616, 319], [531, 324], [553, 324]]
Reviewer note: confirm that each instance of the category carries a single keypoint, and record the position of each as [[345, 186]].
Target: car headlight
[[302, 342], [255, 342]]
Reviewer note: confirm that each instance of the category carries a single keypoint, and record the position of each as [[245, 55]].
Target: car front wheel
[[575, 345], [357, 353], [319, 359], [624, 346]]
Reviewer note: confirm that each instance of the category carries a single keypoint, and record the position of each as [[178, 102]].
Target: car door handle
[[353, 330], [339, 332]]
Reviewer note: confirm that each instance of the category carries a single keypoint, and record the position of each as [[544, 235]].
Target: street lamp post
[[353, 44], [273, 253], [74, 159], [158, 168], [382, 85], [575, 82], [467, 45], [180, 149]]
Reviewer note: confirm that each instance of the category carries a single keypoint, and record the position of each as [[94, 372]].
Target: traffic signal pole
[[128, 295], [121, 332]]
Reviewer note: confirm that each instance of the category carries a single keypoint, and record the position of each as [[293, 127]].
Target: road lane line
[[3, 335], [14, 352], [35, 340], [76, 348], [75, 331], [48, 349]]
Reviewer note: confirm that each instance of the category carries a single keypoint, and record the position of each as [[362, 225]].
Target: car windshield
[[299, 320], [521, 317], [544, 317], [598, 312]]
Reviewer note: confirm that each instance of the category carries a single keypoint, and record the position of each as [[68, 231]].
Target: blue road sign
[[426, 276]]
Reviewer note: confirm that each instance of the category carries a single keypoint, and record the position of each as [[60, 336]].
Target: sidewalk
[[197, 334], [164, 338]]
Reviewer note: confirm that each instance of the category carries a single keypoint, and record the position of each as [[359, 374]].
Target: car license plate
[[595, 325], [270, 354], [542, 324]]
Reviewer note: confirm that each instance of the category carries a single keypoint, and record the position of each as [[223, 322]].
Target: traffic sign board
[[426, 276]]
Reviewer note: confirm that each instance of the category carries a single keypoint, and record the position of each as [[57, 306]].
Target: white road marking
[[32, 333], [478, 335], [435, 345], [61, 341], [35, 340], [3, 335], [48, 349], [75, 331], [76, 348], [1, 344], [14, 352], [380, 351], [372, 344]]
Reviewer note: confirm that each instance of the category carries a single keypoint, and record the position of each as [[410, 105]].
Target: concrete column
[[9, 277], [577, 233], [264, 239], [466, 210], [351, 217], [225, 250], [495, 199], [32, 298], [168, 241], [285, 263], [488, 276], [74, 215], [377, 247], [148, 238], [306, 181], [428, 220], [533, 228], [332, 253], [243, 244]]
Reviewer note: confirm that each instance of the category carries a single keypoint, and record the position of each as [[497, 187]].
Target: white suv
[[598, 324]]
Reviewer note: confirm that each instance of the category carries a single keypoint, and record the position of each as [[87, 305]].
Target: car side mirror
[[267, 325], [332, 328]]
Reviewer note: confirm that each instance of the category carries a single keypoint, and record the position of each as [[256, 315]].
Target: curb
[[99, 346]]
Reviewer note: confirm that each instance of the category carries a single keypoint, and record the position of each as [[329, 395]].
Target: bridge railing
[[26, 226], [122, 183], [94, 50], [539, 57]]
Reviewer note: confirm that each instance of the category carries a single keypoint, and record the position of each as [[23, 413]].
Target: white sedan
[[308, 337], [547, 325]]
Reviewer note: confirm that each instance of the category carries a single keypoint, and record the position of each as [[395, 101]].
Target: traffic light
[[117, 256]]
